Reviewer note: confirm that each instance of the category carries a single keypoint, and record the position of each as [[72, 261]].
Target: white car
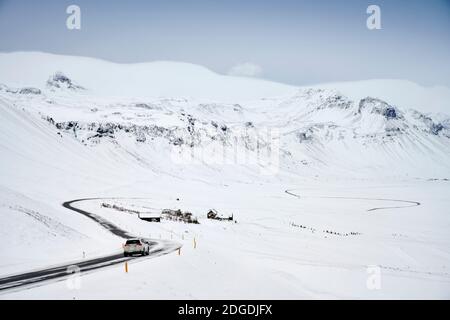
[[136, 246]]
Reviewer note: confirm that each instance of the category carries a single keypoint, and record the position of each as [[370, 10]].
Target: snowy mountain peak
[[60, 81], [322, 127], [378, 106]]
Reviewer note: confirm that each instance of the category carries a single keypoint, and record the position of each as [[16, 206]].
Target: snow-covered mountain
[[175, 80], [79, 127], [402, 93], [317, 130], [153, 79]]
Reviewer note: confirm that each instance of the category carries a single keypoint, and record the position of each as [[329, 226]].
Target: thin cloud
[[247, 69]]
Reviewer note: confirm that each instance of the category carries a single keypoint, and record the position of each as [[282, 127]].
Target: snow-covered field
[[367, 181]]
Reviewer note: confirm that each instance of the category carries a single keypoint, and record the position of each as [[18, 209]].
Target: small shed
[[150, 216]]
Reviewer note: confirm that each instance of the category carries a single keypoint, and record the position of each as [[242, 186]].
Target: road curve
[[32, 278], [408, 203], [100, 220]]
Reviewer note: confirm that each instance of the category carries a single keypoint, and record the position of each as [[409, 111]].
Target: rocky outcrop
[[60, 81], [374, 105]]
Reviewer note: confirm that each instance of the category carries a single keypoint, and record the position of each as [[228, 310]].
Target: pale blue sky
[[296, 42]]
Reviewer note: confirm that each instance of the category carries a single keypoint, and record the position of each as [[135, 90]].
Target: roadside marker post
[[126, 266], [179, 251]]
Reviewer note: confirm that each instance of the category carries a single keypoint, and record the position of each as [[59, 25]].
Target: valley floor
[[324, 239]]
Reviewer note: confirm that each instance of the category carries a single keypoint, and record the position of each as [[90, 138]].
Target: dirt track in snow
[[408, 203]]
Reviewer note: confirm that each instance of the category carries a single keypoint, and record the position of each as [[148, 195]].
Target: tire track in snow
[[408, 202], [404, 271]]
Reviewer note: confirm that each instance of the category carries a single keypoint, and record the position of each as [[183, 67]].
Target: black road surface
[[157, 248], [104, 223]]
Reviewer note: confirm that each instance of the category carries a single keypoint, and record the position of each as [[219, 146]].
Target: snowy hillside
[[314, 130], [398, 92], [175, 79], [154, 79], [183, 137]]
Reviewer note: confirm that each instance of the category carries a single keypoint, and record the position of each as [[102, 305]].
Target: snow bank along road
[[157, 248]]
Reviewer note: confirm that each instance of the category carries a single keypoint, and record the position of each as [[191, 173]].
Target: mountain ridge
[[173, 79]]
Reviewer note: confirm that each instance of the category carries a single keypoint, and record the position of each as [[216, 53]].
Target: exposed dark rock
[[380, 107], [177, 141], [106, 130], [60, 80], [303, 136], [29, 90], [147, 106], [390, 113], [436, 128]]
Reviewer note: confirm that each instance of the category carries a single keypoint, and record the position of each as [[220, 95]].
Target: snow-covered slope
[[154, 79], [312, 131], [402, 93], [176, 79], [75, 127]]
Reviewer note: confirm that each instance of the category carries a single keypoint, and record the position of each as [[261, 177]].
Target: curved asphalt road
[[104, 223], [157, 248]]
